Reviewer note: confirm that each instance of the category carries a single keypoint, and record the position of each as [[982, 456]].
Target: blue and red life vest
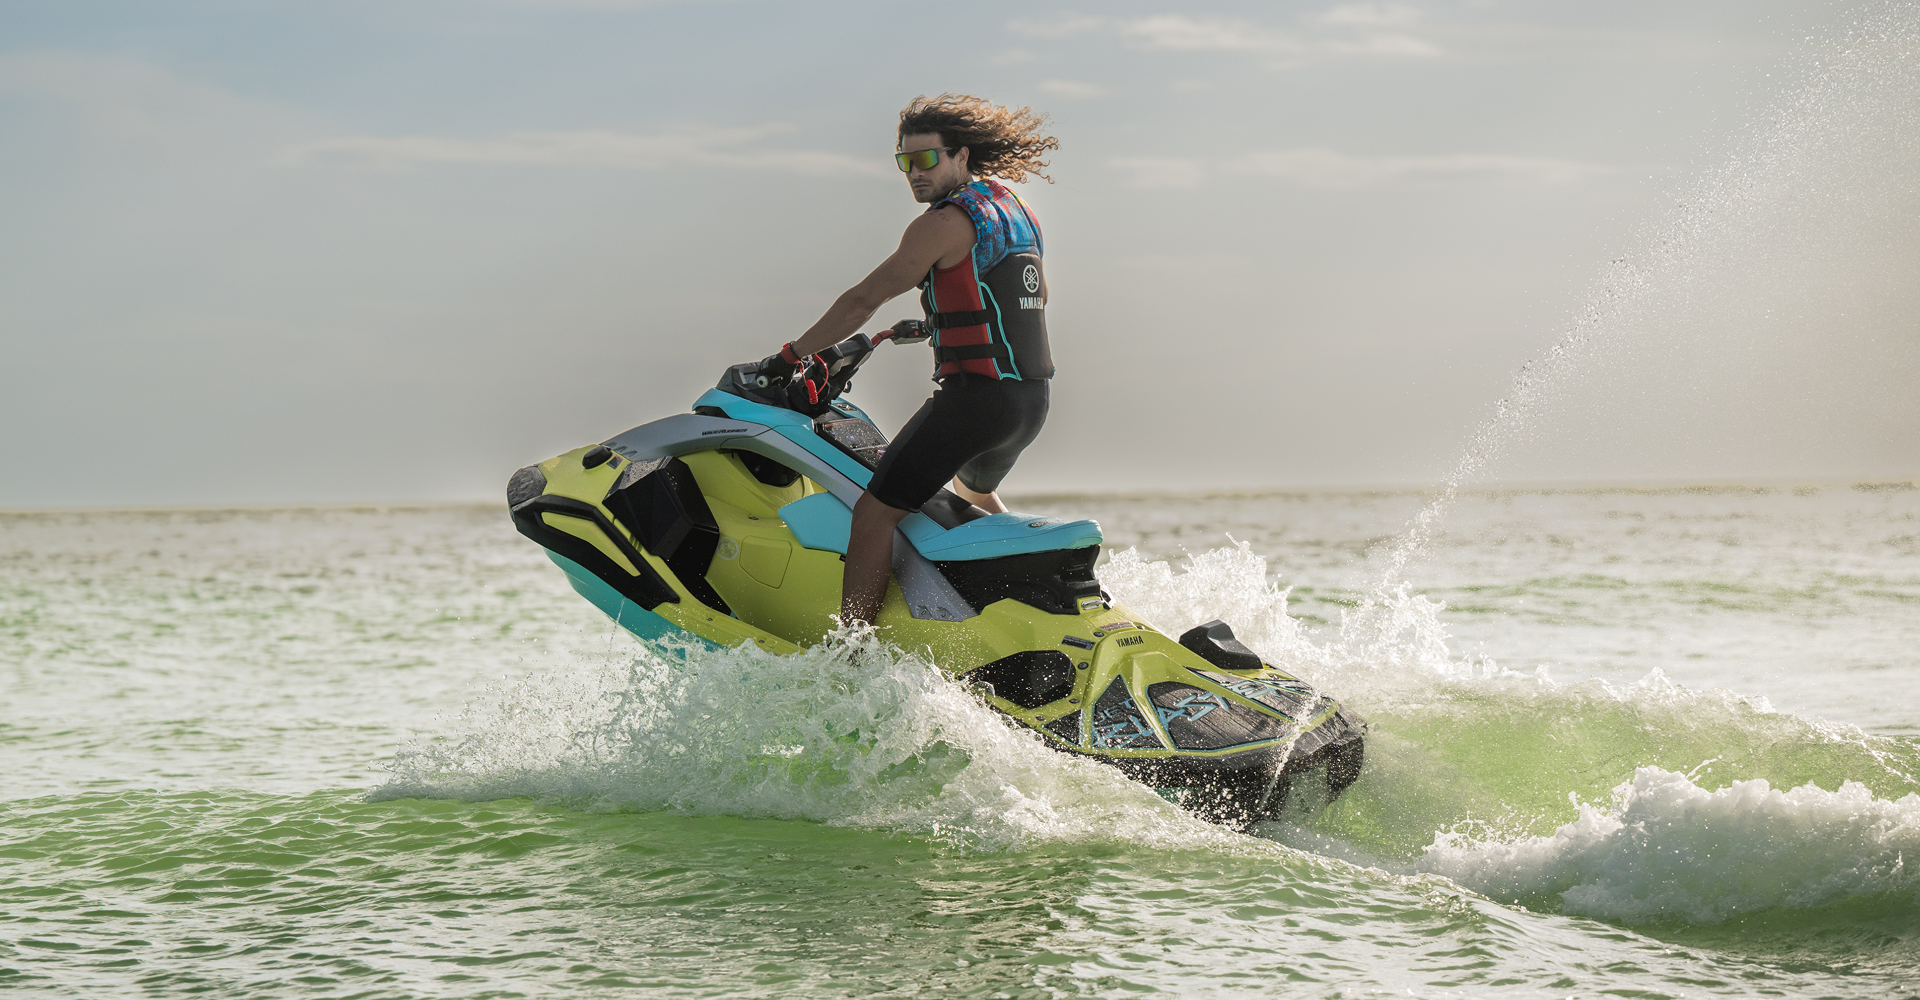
[[988, 312]]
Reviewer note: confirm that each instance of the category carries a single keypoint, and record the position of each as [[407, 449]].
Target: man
[[975, 255]]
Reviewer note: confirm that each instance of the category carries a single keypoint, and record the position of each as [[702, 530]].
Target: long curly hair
[[1005, 142]]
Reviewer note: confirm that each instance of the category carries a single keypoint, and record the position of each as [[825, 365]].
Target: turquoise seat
[[998, 535], [821, 521]]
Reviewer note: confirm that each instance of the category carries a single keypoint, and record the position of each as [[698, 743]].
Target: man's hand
[[780, 364], [907, 331], [939, 238]]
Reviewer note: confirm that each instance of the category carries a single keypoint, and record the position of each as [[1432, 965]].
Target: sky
[[333, 251]]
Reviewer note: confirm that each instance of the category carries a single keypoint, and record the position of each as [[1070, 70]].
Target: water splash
[[851, 732], [1468, 772], [1857, 88], [1462, 737], [1471, 767]]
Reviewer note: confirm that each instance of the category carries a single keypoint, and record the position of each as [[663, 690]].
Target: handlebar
[[842, 360]]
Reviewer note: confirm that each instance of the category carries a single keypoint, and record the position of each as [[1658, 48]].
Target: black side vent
[[1053, 582], [660, 502], [766, 469], [1215, 643], [1030, 678]]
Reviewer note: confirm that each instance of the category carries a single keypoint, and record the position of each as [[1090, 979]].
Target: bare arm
[[942, 237]]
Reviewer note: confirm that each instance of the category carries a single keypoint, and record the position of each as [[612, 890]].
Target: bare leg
[[863, 585], [989, 502]]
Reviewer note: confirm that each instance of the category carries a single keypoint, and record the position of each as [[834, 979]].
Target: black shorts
[[974, 427]]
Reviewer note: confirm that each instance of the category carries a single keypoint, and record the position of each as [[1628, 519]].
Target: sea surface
[[1644, 743]]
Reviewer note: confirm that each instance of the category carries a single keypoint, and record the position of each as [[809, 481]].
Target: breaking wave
[[1667, 850]]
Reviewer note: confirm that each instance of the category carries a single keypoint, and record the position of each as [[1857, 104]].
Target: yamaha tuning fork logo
[[1031, 278]]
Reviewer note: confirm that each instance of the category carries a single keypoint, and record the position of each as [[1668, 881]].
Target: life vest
[[987, 312]]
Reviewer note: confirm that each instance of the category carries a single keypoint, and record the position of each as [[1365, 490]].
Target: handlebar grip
[[908, 331]]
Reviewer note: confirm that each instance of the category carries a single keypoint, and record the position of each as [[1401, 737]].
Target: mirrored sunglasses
[[925, 159]]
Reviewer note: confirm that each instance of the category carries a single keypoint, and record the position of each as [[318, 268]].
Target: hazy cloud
[[1371, 15], [1170, 32], [1056, 27], [133, 101], [620, 150], [1328, 169], [1348, 29], [1380, 30], [1164, 171], [1384, 45], [1180, 33], [1073, 90], [593, 4]]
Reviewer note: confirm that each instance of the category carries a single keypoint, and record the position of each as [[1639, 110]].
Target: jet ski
[[729, 524]]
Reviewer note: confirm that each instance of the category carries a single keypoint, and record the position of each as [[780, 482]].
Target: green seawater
[[386, 752]]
